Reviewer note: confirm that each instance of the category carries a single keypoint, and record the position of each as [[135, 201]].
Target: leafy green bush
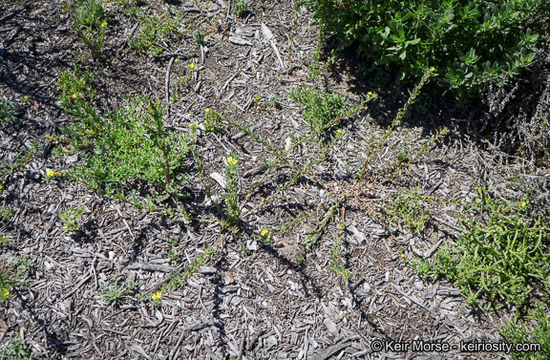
[[136, 146], [470, 43], [132, 144], [503, 261]]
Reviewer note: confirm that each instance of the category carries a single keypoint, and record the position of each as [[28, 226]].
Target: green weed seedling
[[321, 110], [90, 19], [5, 214], [241, 8], [232, 197], [130, 6], [325, 111], [408, 210], [9, 111], [177, 279], [12, 274], [198, 36], [120, 291], [212, 121], [153, 30], [16, 349], [70, 218], [174, 254], [77, 97], [336, 264]]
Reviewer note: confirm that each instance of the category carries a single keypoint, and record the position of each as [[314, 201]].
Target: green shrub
[[131, 145], [136, 146], [503, 261], [470, 43]]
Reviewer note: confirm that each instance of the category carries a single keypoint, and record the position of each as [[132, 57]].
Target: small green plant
[[183, 82], [4, 240], [198, 36], [177, 279], [154, 30], [533, 330], [16, 349], [130, 6], [9, 111], [241, 8], [233, 211], [174, 254], [12, 273], [70, 218], [322, 111], [212, 121], [409, 210], [135, 147], [336, 265], [502, 261], [90, 18], [5, 214], [77, 97], [120, 290]]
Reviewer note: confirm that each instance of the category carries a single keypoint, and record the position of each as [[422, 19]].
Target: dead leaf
[[229, 279]]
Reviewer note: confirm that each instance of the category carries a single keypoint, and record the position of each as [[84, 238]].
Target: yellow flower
[[1, 187], [48, 136], [5, 292], [156, 295], [369, 93], [264, 232], [193, 126], [104, 24], [523, 204], [231, 160], [51, 173], [339, 131], [191, 66], [207, 111], [26, 97], [73, 96], [432, 69]]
